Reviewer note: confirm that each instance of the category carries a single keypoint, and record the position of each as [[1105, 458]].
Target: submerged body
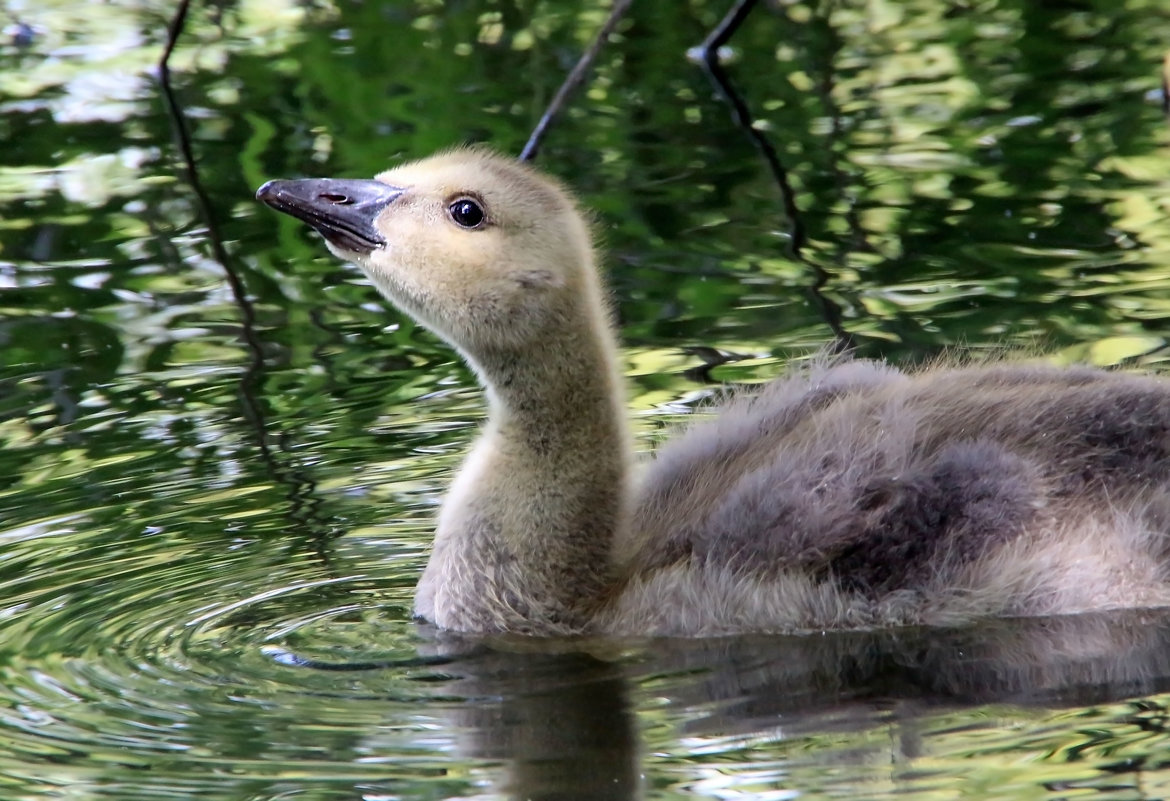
[[850, 495]]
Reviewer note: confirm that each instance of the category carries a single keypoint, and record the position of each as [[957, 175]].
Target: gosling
[[847, 495]]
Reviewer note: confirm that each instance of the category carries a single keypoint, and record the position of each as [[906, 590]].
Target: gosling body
[[846, 495]]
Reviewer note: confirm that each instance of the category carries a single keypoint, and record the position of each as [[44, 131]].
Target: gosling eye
[[467, 213]]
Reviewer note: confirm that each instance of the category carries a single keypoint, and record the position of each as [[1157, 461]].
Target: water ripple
[[141, 650]]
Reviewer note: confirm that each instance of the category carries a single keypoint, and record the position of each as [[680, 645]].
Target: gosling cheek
[[535, 279]]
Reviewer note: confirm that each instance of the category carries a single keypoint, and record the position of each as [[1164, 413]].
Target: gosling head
[[478, 247]]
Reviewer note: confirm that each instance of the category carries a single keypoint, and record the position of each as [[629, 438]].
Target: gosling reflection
[[752, 684], [564, 725], [561, 722]]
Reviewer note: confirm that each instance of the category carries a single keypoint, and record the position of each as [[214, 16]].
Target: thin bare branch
[[574, 79], [707, 54], [301, 493]]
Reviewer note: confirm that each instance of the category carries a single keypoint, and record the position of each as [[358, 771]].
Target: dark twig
[[573, 79], [708, 54], [239, 291], [300, 488], [183, 140], [173, 31], [708, 51]]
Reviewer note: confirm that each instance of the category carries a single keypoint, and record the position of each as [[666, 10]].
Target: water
[[211, 493]]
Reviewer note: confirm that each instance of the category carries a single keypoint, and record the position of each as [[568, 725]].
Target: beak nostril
[[343, 210]]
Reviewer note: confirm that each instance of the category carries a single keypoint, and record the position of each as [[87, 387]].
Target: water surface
[[222, 451]]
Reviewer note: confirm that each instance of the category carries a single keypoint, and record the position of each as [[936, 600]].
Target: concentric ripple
[[156, 655]]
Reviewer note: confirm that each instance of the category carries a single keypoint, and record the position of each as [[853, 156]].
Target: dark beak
[[342, 210]]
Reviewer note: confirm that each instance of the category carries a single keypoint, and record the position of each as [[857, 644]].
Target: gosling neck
[[526, 534], [562, 401]]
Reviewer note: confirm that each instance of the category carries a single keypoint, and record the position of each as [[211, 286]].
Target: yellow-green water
[[203, 491]]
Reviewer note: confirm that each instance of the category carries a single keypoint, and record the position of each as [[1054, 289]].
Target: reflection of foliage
[[972, 184], [941, 182], [984, 171], [896, 150]]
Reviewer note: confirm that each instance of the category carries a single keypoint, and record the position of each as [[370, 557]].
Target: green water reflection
[[199, 490]]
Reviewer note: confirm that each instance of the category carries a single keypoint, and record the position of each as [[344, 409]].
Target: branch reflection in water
[[567, 718]]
